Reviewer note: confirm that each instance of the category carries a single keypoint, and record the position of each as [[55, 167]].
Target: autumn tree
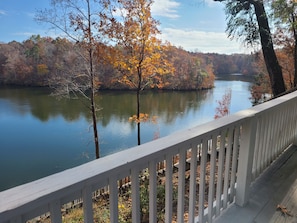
[[247, 19], [15, 68], [137, 53], [286, 60], [223, 108], [37, 54], [78, 21], [192, 71], [285, 15], [260, 90], [223, 64]]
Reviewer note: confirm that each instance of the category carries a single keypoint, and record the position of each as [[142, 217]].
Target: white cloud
[[30, 14], [43, 32], [206, 42], [211, 3], [2, 12], [165, 8], [120, 128], [199, 3], [25, 34]]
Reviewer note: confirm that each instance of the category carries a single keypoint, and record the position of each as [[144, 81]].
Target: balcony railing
[[208, 167]]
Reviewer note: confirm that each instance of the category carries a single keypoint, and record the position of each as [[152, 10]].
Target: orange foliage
[[223, 108], [138, 54], [143, 117], [42, 69], [286, 61], [261, 89]]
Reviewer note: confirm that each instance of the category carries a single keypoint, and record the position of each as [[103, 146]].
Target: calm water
[[40, 135]]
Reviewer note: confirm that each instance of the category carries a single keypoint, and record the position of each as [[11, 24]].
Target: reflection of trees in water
[[43, 106], [236, 77], [166, 105], [171, 105], [118, 105]]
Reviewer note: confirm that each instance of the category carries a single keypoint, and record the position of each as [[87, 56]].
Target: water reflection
[[236, 77], [118, 105], [40, 135]]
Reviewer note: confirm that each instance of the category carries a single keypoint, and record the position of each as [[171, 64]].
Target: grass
[[102, 213]]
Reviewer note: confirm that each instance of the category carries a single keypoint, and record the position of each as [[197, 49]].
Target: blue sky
[[195, 25]]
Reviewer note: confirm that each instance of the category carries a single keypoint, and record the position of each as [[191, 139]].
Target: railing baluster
[[181, 186], [275, 125], [266, 141], [294, 124], [18, 219], [289, 125], [287, 129], [256, 162], [234, 162], [192, 187], [135, 195], [227, 167], [113, 200], [262, 145], [168, 189], [153, 192], [220, 172], [211, 192], [270, 146], [87, 204], [202, 180], [55, 210], [245, 160]]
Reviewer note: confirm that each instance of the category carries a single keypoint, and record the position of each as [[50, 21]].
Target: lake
[[41, 135]]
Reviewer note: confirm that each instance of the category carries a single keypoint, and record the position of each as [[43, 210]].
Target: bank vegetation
[[38, 61]]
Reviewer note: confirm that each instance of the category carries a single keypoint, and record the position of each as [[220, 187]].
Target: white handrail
[[225, 156]]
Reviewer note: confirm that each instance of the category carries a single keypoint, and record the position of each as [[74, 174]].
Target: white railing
[[207, 167]]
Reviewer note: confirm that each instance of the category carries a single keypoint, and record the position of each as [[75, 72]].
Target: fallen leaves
[[283, 210]]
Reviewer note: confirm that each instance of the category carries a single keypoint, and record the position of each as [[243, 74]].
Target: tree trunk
[[93, 90], [272, 65], [138, 117], [94, 119], [139, 73]]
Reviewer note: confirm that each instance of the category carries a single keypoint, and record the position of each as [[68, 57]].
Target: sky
[[194, 25]]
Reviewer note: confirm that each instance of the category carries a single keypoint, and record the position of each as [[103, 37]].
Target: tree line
[[39, 61]]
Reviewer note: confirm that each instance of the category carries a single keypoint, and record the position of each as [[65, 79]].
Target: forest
[[102, 51], [38, 60]]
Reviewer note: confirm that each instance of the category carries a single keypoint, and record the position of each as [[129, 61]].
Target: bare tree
[[78, 20]]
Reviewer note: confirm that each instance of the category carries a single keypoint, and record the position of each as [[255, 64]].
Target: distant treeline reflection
[[113, 104]]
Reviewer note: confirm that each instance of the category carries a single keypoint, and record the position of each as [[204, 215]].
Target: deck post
[[245, 163]]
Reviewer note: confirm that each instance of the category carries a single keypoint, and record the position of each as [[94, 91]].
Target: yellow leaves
[[143, 117], [138, 56], [121, 206], [42, 69]]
